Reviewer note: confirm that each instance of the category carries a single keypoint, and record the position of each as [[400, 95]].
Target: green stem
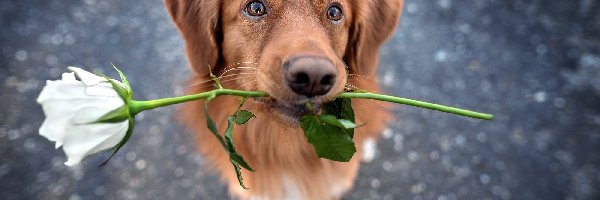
[[416, 103], [139, 106]]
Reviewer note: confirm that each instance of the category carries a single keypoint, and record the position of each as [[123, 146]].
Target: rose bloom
[[72, 107]]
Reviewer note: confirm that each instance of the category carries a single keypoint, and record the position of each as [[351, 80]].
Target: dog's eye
[[334, 13], [256, 9]]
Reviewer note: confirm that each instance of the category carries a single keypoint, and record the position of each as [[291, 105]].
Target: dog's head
[[295, 50]]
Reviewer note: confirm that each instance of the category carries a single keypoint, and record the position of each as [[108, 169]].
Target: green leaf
[[122, 142], [238, 173], [229, 134], [330, 141], [243, 116], [233, 155], [211, 125], [236, 159], [121, 91], [124, 80], [227, 143], [342, 109], [115, 116], [330, 119], [348, 124], [342, 123]]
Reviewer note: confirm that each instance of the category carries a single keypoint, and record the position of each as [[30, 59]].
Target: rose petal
[[69, 77], [86, 77], [92, 138], [74, 90], [71, 106], [102, 89]]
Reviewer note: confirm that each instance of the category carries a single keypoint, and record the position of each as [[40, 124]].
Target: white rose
[[71, 107]]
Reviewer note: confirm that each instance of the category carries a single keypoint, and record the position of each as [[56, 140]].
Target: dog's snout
[[310, 75]]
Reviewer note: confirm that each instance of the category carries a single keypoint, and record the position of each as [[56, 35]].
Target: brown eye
[[256, 9], [334, 13]]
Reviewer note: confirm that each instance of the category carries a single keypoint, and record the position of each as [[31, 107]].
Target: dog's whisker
[[253, 68], [356, 76], [223, 81], [244, 67], [235, 65], [350, 86], [249, 68], [240, 63], [241, 73], [208, 81], [233, 79], [239, 69]]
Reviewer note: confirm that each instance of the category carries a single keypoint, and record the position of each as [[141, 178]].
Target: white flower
[[71, 106]]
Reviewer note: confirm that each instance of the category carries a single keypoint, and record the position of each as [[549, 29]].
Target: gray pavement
[[535, 64]]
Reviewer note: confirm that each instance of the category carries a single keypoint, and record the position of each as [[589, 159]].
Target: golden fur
[[249, 54]]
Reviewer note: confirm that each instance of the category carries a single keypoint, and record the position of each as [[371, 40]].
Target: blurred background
[[533, 63]]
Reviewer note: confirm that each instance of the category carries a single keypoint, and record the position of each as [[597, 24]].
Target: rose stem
[[139, 106]]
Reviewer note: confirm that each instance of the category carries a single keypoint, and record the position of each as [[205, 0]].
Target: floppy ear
[[197, 21], [374, 22]]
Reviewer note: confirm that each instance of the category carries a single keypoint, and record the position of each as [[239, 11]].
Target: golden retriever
[[296, 51]]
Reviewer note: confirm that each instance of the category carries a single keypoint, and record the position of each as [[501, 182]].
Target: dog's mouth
[[289, 112]]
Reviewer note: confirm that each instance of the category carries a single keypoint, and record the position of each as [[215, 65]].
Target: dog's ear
[[374, 22], [197, 21]]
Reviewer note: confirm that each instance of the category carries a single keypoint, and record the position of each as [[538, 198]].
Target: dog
[[296, 51]]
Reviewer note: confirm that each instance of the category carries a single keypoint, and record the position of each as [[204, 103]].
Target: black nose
[[310, 75]]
